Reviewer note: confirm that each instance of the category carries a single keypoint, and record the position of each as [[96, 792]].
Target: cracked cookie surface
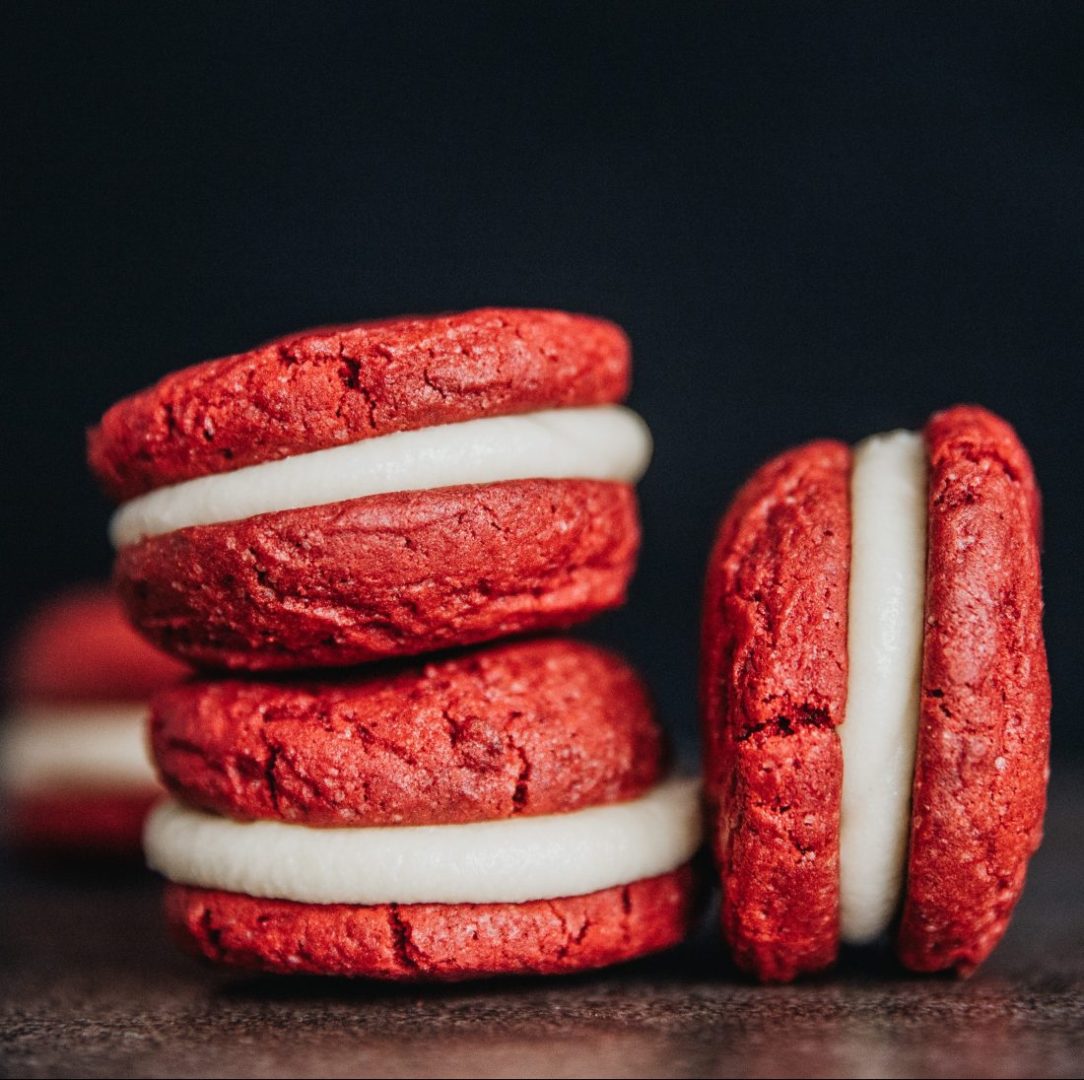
[[536, 727], [435, 942]]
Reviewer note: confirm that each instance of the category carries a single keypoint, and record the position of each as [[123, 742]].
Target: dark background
[[812, 220]]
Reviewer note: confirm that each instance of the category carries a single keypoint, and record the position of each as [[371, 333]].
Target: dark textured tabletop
[[90, 987]]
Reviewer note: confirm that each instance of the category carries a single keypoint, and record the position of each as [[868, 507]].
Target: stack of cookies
[[350, 497]]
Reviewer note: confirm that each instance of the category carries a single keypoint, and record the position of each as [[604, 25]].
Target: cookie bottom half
[[384, 576], [435, 942]]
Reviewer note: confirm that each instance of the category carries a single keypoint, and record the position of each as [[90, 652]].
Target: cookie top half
[[336, 385]]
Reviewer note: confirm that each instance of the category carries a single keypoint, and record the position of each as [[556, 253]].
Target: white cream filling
[[508, 861], [49, 748], [607, 442], [884, 644]]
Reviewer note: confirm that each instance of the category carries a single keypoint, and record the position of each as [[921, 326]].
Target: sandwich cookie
[[377, 490], [73, 761], [506, 811], [875, 697]]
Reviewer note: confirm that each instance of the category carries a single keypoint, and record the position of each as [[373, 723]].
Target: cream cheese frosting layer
[[886, 612], [53, 747], [607, 442], [507, 861]]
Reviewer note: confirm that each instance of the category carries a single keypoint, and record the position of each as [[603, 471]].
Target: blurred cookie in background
[[74, 771]]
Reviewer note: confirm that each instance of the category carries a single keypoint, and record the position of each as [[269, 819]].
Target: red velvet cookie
[[490, 734], [501, 811], [774, 687], [435, 942], [74, 771], [492, 494]]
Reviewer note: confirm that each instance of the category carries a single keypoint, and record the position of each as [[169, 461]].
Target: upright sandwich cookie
[[73, 764], [506, 811], [875, 697], [377, 490]]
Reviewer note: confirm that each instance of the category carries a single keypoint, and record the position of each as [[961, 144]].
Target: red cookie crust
[[529, 728], [334, 385], [384, 576], [79, 823], [982, 758], [773, 690], [435, 942], [79, 647]]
